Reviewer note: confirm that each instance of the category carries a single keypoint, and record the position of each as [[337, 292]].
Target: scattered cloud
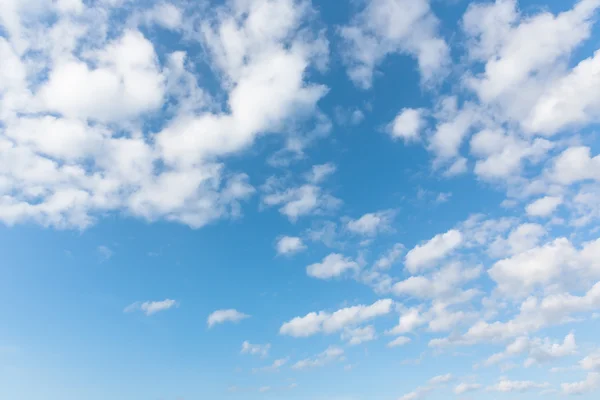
[[223, 316], [287, 245], [151, 307]]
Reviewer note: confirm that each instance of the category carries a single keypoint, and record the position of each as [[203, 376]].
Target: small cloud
[[151, 307], [105, 253], [288, 245], [222, 316]]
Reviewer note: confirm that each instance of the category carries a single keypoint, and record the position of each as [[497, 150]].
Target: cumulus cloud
[[223, 316], [372, 223], [324, 322], [393, 26], [506, 386], [544, 206], [289, 245], [74, 141], [356, 336], [590, 384], [151, 307], [331, 354], [463, 388], [261, 350], [427, 254], [407, 125], [333, 265]]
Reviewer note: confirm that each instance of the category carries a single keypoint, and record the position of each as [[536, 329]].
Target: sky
[[299, 199]]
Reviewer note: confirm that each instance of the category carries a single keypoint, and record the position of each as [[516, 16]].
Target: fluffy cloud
[[393, 26], [388, 259], [506, 386], [427, 254], [590, 384], [539, 351], [332, 266], [399, 341], [69, 155], [591, 362], [222, 316], [322, 321], [256, 349], [289, 245], [575, 164], [407, 125], [372, 223], [331, 354], [543, 207], [463, 388], [151, 307], [356, 336]]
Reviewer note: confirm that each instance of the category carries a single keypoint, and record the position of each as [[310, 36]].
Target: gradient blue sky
[[286, 199]]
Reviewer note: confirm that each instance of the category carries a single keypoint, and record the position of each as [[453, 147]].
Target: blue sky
[[295, 199]]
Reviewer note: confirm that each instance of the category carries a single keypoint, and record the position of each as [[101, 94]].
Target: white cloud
[[539, 351], [409, 321], [95, 95], [301, 201], [591, 362], [372, 223], [325, 322], [151, 307], [441, 284], [222, 316], [399, 341], [544, 206], [575, 164], [333, 265], [393, 26], [356, 336], [277, 364], [407, 125], [331, 354], [437, 380], [105, 253], [261, 350], [506, 386], [522, 238], [425, 255], [463, 388], [289, 245], [590, 384], [552, 263], [388, 259], [321, 172]]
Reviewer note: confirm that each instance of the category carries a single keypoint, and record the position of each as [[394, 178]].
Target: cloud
[[591, 362], [437, 380], [331, 354], [590, 384], [372, 223], [277, 364], [324, 322], [261, 350], [321, 172], [506, 386], [332, 266], [105, 253], [399, 341], [575, 164], [97, 155], [302, 201], [539, 351], [544, 206], [151, 307], [289, 245], [356, 336], [407, 125], [425, 255], [463, 388], [388, 259], [393, 26], [222, 316]]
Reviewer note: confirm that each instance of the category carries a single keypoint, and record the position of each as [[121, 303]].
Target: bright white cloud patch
[[425, 255], [289, 245], [256, 349], [543, 207], [407, 125], [334, 265], [223, 316], [386, 27], [322, 321], [151, 307], [372, 223], [589, 385], [330, 355]]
